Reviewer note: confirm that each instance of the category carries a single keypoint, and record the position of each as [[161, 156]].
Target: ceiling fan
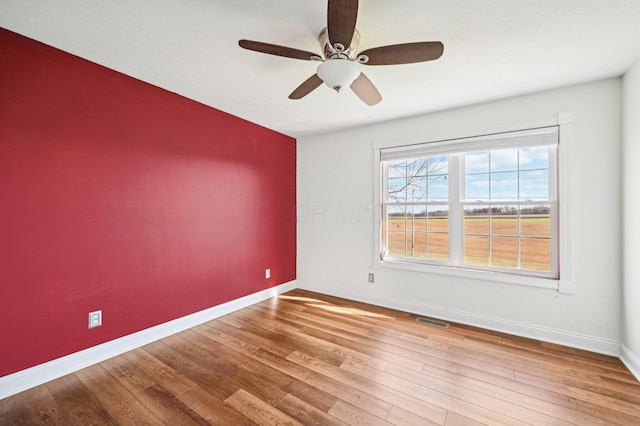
[[339, 67]]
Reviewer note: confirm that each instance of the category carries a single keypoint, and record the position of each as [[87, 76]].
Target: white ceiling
[[493, 49]]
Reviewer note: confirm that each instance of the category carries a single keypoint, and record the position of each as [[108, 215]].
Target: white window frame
[[563, 226]]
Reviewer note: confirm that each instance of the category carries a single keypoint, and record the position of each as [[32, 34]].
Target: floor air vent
[[432, 322]]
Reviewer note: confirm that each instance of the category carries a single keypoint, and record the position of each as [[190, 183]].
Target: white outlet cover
[[267, 273], [95, 319]]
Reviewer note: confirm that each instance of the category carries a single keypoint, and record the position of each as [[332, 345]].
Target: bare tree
[[415, 171]]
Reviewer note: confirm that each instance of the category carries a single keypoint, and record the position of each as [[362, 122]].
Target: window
[[486, 203]]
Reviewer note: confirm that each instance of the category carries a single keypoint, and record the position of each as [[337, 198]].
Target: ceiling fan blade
[[341, 21], [308, 86], [274, 49], [407, 53], [365, 90]]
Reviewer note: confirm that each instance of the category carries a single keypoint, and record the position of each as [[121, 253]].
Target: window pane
[[417, 167], [476, 162], [476, 220], [438, 219], [504, 252], [438, 165], [476, 187], [535, 221], [535, 254], [438, 236], [536, 157], [534, 185], [397, 168], [504, 221], [438, 247], [396, 226], [397, 189], [396, 244], [396, 218], [476, 250], [438, 187], [504, 160], [504, 186]]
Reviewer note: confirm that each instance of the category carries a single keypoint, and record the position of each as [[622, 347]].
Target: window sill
[[547, 283]]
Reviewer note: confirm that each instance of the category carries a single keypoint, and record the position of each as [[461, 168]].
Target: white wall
[[631, 209], [335, 221]]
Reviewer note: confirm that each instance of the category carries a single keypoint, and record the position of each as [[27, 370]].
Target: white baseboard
[[592, 344], [34, 376], [631, 360]]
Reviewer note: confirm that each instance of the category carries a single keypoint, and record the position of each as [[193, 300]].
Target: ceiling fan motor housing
[[338, 51]]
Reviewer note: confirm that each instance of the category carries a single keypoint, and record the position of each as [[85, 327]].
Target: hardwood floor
[[310, 359]]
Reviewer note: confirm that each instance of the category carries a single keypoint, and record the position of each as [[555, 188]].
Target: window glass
[[498, 217]]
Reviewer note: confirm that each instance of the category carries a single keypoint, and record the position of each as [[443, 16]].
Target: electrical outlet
[[267, 273], [371, 277], [95, 319]]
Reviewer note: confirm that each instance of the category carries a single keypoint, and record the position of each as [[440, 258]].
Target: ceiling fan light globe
[[338, 73]]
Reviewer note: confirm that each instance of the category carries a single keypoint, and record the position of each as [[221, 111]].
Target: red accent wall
[[118, 195]]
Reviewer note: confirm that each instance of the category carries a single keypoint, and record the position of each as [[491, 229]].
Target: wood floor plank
[[472, 396], [224, 370], [567, 354], [583, 394], [38, 406], [511, 358], [78, 402], [258, 411], [250, 338], [246, 363], [225, 339], [370, 386], [414, 332], [357, 355], [353, 415], [371, 404], [523, 399], [433, 351], [218, 384], [158, 372], [279, 334], [454, 419], [549, 362], [128, 374], [122, 405], [327, 351], [169, 408], [323, 320], [399, 417], [308, 358], [598, 414], [529, 356], [443, 400], [10, 414], [612, 387], [306, 413], [211, 409], [387, 353], [320, 399], [230, 321]]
